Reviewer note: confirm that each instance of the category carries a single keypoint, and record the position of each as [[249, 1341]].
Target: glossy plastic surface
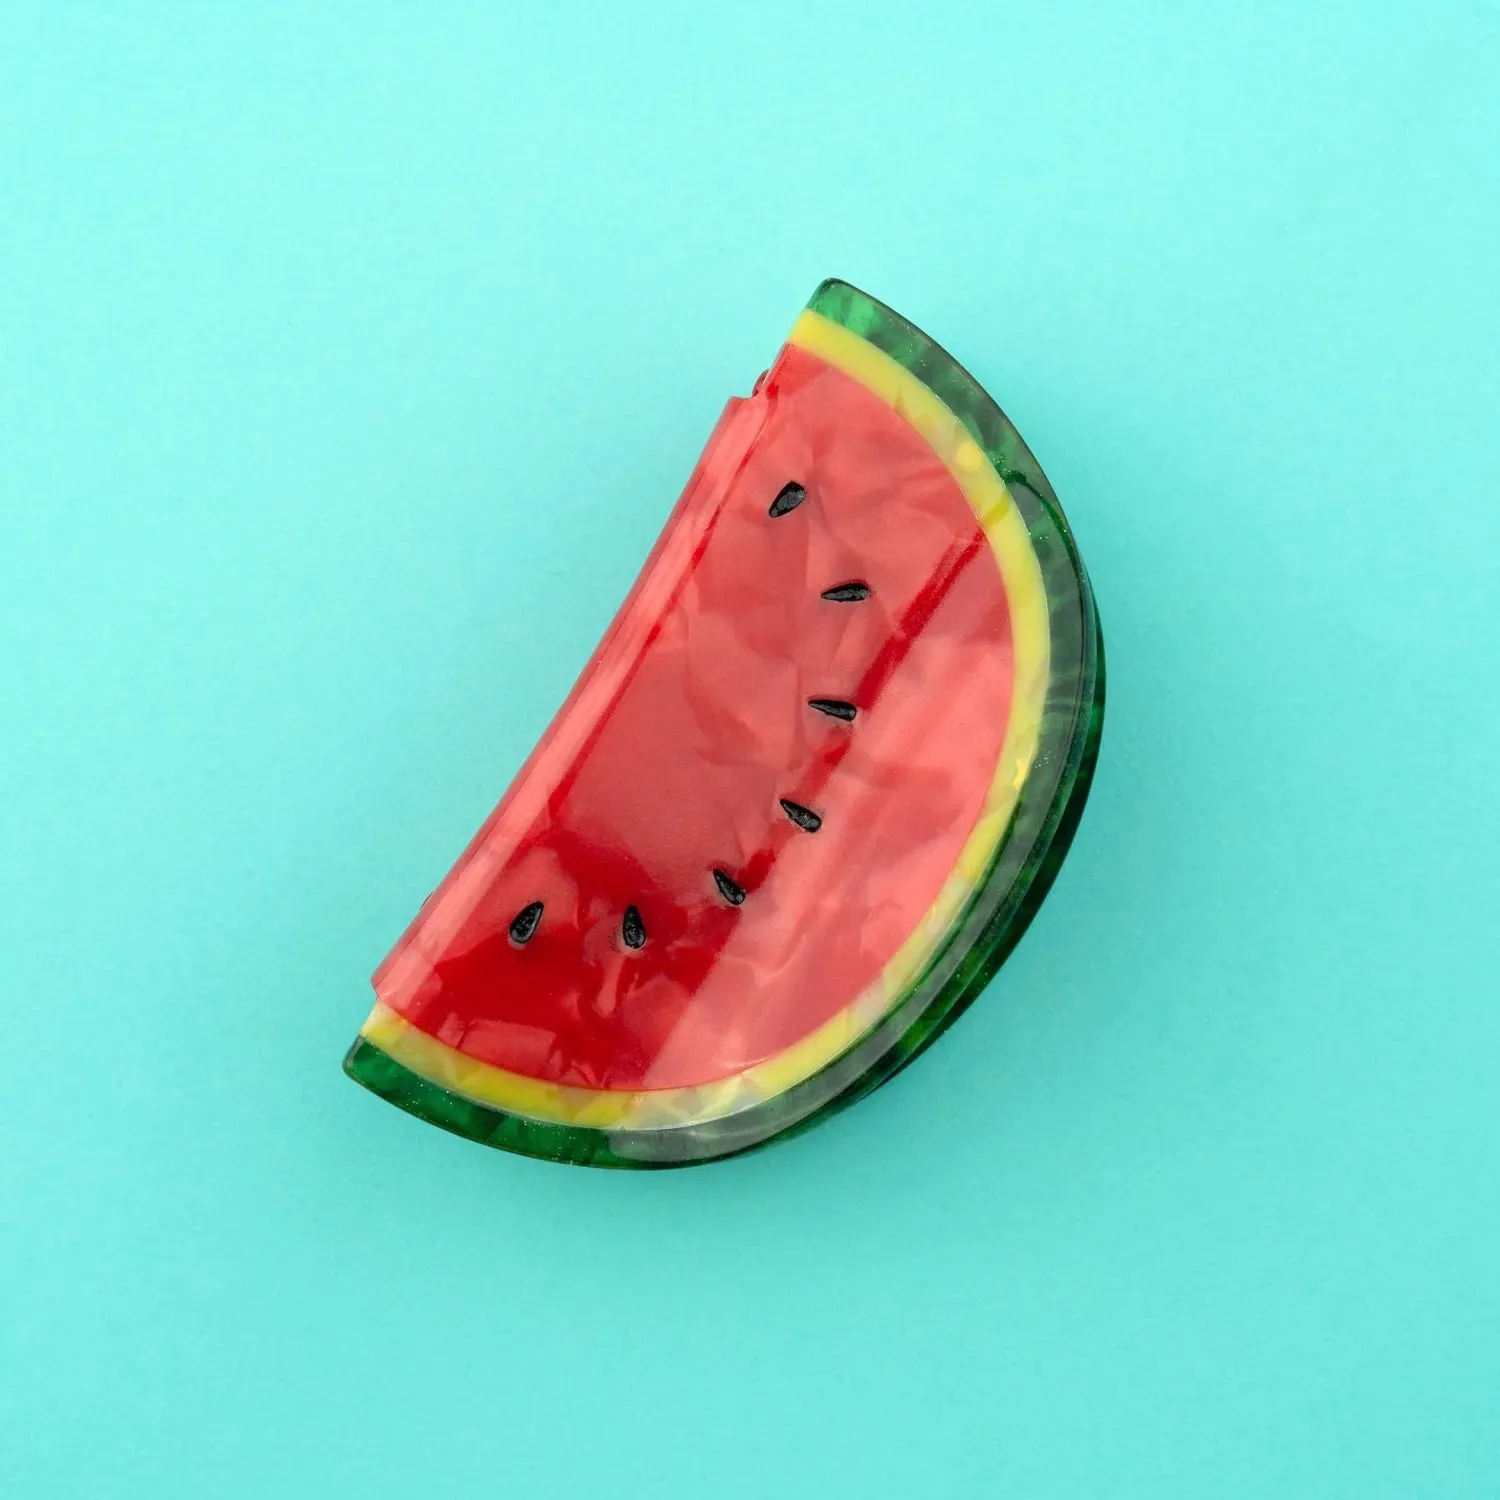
[[800, 803]]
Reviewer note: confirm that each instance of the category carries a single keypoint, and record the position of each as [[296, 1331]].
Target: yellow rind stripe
[[644, 1109]]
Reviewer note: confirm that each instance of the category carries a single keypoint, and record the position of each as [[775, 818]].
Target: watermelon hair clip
[[864, 665]]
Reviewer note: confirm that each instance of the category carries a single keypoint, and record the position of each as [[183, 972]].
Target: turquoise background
[[349, 362]]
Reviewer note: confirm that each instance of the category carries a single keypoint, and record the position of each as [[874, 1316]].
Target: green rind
[[379, 1072], [1041, 829]]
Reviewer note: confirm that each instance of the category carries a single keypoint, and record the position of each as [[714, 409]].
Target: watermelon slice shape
[[803, 800]]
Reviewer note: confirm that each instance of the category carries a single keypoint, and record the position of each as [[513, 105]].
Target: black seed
[[790, 497], [632, 929], [804, 817], [835, 708], [730, 890], [523, 928], [848, 593]]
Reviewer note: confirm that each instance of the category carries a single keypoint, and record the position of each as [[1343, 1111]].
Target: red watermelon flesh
[[721, 866]]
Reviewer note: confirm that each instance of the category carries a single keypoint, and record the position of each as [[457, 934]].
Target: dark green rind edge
[[379, 1072], [1042, 829]]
